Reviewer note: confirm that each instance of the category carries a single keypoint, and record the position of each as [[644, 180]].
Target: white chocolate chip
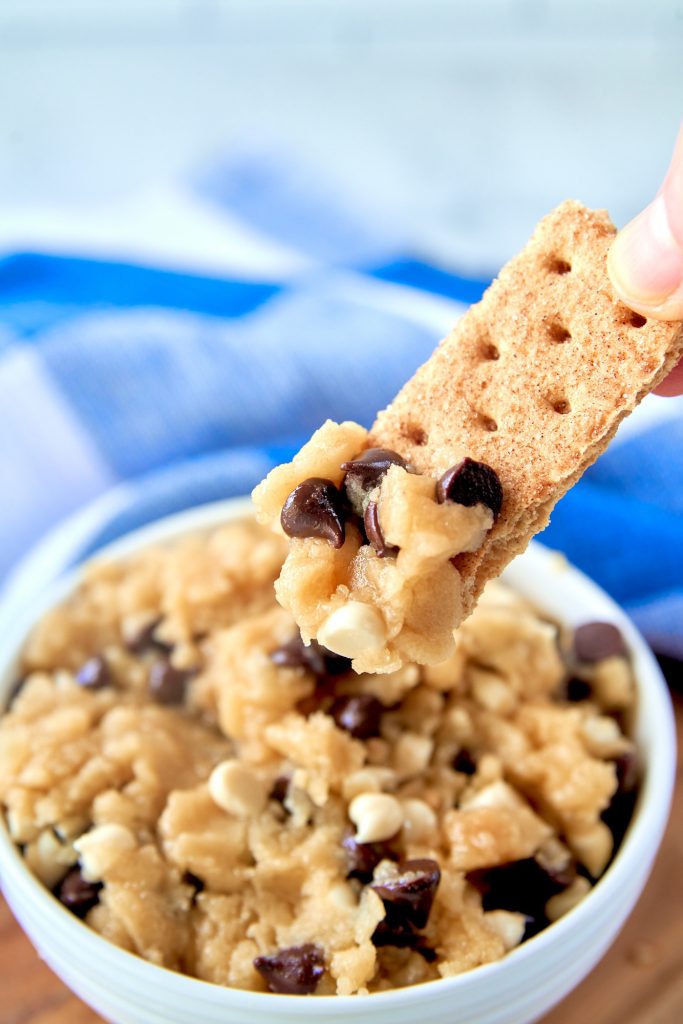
[[343, 896], [411, 754], [419, 821], [377, 816], [612, 683], [101, 847], [603, 737], [237, 789], [22, 827], [49, 859], [507, 925], [353, 629], [368, 780], [491, 692], [496, 794], [560, 904], [460, 725], [299, 805], [593, 847]]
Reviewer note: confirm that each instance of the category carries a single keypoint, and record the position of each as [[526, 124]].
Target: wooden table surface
[[640, 981]]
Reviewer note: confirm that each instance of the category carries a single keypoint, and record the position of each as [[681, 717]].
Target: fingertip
[[672, 385], [645, 261]]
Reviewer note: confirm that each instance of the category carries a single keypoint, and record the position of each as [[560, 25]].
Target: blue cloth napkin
[[179, 347]]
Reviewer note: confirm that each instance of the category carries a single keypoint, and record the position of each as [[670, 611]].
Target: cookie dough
[[372, 568], [210, 793]]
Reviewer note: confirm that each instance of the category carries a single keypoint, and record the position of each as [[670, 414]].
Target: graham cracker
[[533, 380]]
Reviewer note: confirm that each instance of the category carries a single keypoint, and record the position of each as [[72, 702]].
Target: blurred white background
[[472, 119]]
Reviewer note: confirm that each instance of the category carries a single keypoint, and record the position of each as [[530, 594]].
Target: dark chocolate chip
[[14, 692], [618, 815], [471, 483], [368, 468], [145, 639], [408, 898], [464, 762], [672, 669], [315, 509], [321, 699], [363, 858], [597, 640], [560, 874], [523, 886], [373, 532], [295, 971], [534, 925], [314, 657], [95, 674], [428, 954], [576, 690], [359, 715], [189, 878], [78, 895], [279, 789], [393, 932], [628, 772], [167, 683]]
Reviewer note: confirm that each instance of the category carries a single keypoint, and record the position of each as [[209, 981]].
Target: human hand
[[645, 262]]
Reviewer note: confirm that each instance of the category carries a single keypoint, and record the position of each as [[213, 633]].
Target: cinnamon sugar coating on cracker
[[533, 380]]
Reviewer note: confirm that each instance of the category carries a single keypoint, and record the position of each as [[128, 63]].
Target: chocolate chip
[[363, 858], [321, 699], [373, 532], [14, 692], [523, 886], [359, 715], [407, 902], [314, 657], [471, 483], [295, 971], [403, 936], [144, 639], [167, 683], [618, 815], [315, 509], [428, 954], [279, 789], [464, 763], [597, 640], [561, 873], [368, 468], [408, 898], [628, 772], [95, 674], [78, 895], [576, 690], [189, 878], [393, 932]]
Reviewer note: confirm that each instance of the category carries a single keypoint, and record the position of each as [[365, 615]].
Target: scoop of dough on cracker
[[387, 557]]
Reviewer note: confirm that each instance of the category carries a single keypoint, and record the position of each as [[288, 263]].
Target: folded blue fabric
[[188, 382]]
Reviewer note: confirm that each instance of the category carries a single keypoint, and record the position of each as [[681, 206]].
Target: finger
[[673, 384], [645, 262]]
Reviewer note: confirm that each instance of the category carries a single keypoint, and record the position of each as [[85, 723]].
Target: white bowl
[[516, 990]]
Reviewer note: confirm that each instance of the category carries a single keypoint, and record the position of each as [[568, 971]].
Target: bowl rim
[[650, 815]]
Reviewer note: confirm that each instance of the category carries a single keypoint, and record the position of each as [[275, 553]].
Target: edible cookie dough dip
[[207, 791]]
